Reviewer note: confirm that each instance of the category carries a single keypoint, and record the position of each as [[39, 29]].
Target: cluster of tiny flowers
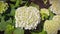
[[27, 17], [55, 7], [3, 6], [44, 11], [57, 18], [51, 26]]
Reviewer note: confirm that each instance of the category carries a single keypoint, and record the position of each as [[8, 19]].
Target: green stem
[[17, 3], [26, 3]]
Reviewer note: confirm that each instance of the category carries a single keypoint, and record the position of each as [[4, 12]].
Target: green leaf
[[2, 26], [17, 3], [0, 17], [9, 29], [13, 22], [44, 16], [21, 1], [43, 32], [13, 0], [34, 33], [51, 15], [9, 21], [12, 13], [18, 31], [2, 23], [12, 6]]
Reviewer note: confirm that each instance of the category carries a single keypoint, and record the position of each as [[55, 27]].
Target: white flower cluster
[[27, 17], [51, 26], [57, 18], [3, 6], [55, 7]]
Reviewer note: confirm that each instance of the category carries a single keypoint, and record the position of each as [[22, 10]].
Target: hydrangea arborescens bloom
[[3, 6], [55, 7], [57, 18], [27, 17], [51, 26]]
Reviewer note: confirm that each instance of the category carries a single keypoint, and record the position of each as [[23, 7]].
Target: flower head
[[27, 17], [51, 26], [57, 18], [3, 6], [55, 7]]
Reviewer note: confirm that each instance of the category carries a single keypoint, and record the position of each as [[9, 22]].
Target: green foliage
[[34, 33], [43, 32], [17, 3], [12, 6], [44, 16], [12, 13], [9, 21], [9, 29], [18, 31], [2, 24], [13, 0], [51, 15]]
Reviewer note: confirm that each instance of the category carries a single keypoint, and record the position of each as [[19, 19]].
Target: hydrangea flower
[[57, 18], [55, 7], [3, 6], [51, 26], [27, 17]]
